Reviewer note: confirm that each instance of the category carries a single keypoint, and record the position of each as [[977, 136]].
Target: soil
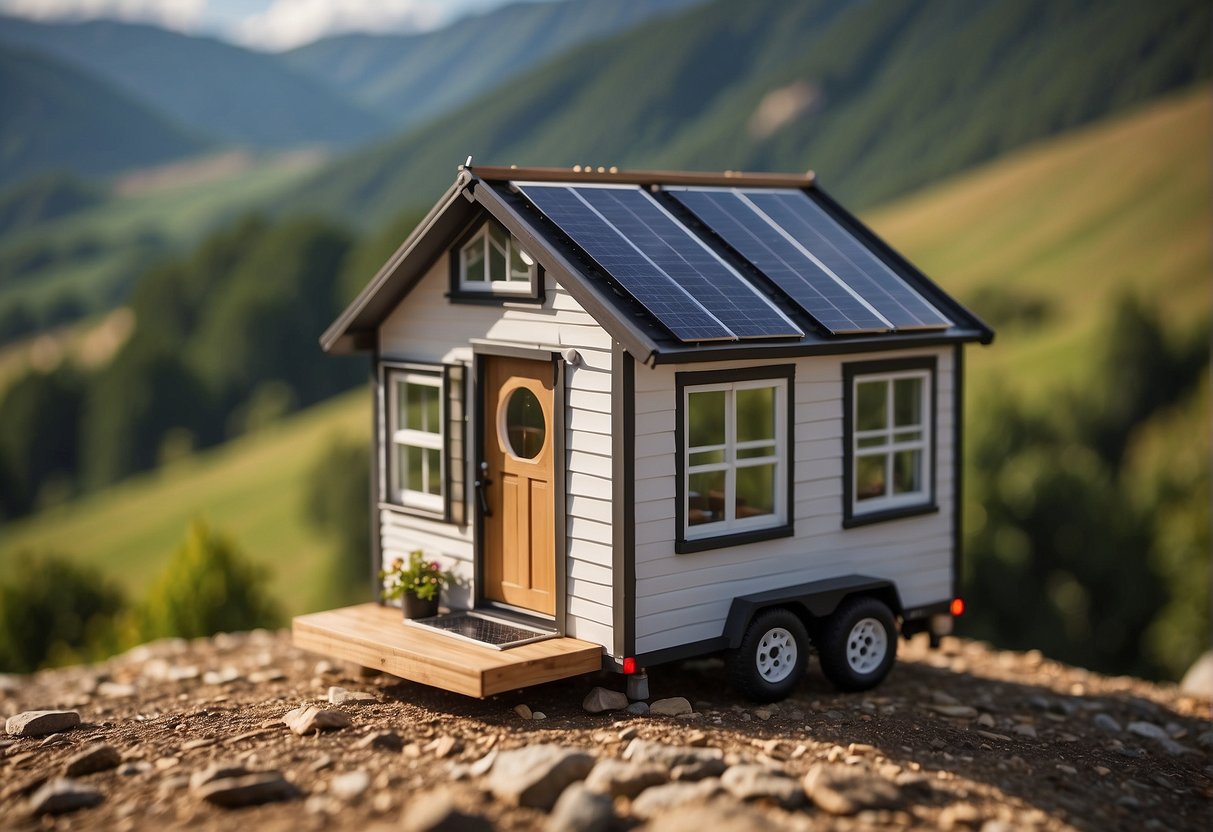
[[974, 737]]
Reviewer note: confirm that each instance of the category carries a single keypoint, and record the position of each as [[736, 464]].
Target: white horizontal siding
[[685, 598]]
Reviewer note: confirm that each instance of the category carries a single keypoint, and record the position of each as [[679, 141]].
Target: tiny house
[[646, 416]]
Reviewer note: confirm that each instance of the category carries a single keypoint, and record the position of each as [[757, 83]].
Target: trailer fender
[[814, 600]]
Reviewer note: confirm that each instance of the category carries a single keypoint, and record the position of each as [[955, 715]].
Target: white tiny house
[[654, 415]]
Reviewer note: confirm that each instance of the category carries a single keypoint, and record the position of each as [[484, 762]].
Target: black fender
[[814, 600]]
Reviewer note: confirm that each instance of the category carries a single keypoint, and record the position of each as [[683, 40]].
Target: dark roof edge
[[728, 178], [753, 351], [337, 339]]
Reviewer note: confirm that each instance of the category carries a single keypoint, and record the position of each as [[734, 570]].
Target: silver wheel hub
[[867, 645], [776, 655]]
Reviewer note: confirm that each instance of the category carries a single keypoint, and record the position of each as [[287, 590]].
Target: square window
[[417, 475]]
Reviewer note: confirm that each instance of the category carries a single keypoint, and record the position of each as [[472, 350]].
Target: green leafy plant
[[420, 578]]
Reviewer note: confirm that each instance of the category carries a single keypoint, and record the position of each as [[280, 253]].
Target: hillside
[[56, 118], [879, 99], [213, 87], [1071, 222], [410, 78]]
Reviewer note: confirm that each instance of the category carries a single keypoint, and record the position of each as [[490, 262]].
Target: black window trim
[[682, 380], [457, 294], [853, 370]]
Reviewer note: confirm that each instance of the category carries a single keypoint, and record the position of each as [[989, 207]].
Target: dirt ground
[[972, 738]]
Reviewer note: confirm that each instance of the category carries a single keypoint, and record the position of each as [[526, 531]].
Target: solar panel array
[[819, 264], [671, 272]]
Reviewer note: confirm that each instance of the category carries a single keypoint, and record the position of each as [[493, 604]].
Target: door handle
[[482, 485]]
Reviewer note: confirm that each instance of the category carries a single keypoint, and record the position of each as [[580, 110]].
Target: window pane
[[907, 472], [705, 498], [707, 457], [705, 418], [869, 476], [413, 406], [907, 401], [473, 260], [496, 264], [414, 479], [908, 436], [434, 472], [755, 491], [433, 422], [520, 270], [871, 441], [870, 405], [756, 452], [756, 414], [524, 424]]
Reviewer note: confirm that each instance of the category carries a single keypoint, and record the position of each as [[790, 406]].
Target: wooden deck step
[[374, 636]]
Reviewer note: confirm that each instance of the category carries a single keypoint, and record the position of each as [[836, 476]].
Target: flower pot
[[415, 607]]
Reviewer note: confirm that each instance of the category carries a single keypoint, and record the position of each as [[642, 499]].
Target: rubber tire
[[741, 663], [832, 643]]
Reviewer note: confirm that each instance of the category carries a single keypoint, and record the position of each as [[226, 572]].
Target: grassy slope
[[1123, 204]]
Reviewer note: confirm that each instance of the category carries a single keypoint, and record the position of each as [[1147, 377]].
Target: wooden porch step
[[374, 636]]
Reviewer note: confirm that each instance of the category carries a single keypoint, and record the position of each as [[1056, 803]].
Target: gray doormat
[[484, 630]]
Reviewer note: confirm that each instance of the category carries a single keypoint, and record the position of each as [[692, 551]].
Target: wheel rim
[[867, 645], [776, 655]]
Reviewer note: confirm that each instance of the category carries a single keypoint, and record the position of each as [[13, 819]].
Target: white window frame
[[402, 437], [891, 445], [731, 524], [488, 286]]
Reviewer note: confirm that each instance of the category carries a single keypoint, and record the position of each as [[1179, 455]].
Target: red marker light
[[629, 665], [958, 607]]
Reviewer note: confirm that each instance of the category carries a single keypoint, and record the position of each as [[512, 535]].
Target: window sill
[[702, 544], [854, 520], [415, 511], [528, 298]]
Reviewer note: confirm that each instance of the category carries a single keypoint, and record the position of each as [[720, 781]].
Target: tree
[[39, 435], [336, 503]]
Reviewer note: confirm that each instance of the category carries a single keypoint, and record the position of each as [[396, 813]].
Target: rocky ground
[[192, 734]]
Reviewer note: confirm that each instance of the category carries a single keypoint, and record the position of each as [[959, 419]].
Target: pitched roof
[[783, 290]]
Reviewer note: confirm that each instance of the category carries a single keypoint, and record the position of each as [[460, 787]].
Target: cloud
[[288, 23], [182, 15]]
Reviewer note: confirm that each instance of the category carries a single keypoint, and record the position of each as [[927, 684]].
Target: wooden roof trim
[[728, 178]]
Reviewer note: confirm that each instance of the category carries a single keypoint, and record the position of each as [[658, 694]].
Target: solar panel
[[670, 271]]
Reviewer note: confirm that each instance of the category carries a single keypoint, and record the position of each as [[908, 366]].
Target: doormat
[[480, 628]]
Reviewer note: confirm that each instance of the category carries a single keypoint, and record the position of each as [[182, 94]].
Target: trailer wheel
[[771, 659], [858, 644]]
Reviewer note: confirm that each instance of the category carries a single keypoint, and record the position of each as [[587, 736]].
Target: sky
[[261, 24]]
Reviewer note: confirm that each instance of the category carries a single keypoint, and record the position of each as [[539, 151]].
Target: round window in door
[[525, 429]]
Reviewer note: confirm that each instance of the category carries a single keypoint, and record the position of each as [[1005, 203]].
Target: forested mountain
[[409, 78], [216, 88], [54, 117], [878, 98]]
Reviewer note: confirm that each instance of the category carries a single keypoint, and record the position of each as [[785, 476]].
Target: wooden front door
[[519, 534]]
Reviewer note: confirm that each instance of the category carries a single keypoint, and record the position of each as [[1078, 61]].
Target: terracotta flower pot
[[415, 607]]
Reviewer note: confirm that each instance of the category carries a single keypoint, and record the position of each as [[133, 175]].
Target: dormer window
[[491, 262]]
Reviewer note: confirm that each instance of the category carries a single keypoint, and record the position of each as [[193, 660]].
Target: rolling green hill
[[1071, 223], [410, 78], [878, 98], [221, 90], [54, 117]]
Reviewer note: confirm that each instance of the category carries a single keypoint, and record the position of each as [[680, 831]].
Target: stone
[[580, 810], [135, 767], [620, 778], [986, 721], [536, 775], [484, 765], [684, 762], [763, 714], [248, 790], [217, 771], [116, 690], [638, 708], [1148, 730], [438, 814], [602, 699], [757, 782], [443, 746], [537, 715], [99, 757], [310, 719], [350, 785], [41, 723], [523, 711], [1106, 723], [954, 711], [671, 707], [1024, 729], [1198, 681], [717, 816], [341, 696], [61, 795], [385, 740], [660, 799], [843, 790]]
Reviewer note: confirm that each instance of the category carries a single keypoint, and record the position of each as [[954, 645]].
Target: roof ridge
[[589, 173]]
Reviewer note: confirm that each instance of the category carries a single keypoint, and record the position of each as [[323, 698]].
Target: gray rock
[[385, 740], [523, 710], [674, 706], [310, 719], [843, 790], [221, 770], [757, 782], [62, 795], [648, 751], [698, 770], [620, 778], [954, 711], [351, 785], [580, 810], [1106, 723], [1024, 729], [1205, 740], [99, 757], [601, 699], [438, 814], [536, 775], [1148, 730], [1198, 681], [638, 708], [41, 723], [660, 799], [341, 696], [248, 790]]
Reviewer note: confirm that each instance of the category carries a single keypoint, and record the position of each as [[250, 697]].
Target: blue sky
[[264, 24]]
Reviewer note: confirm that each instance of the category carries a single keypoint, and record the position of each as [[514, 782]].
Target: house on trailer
[[651, 415]]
